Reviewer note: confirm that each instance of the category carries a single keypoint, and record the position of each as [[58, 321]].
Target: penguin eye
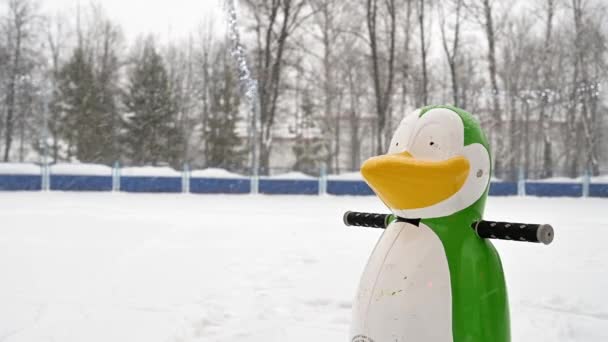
[[397, 144], [430, 142]]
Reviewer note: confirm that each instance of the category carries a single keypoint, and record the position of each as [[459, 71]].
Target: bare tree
[[203, 67], [356, 100], [56, 42], [484, 11], [382, 73], [517, 73], [328, 19], [179, 58], [423, 51], [451, 48], [406, 65], [547, 70], [275, 22], [588, 44], [471, 83], [19, 30], [496, 112]]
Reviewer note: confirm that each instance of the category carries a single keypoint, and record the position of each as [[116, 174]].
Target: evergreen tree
[[84, 126], [150, 128], [107, 66], [223, 145]]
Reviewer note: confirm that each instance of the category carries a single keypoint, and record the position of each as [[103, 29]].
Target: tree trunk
[[272, 46], [406, 56], [526, 140], [452, 55], [383, 93], [544, 124], [425, 95], [496, 127], [355, 145], [328, 93], [10, 95]]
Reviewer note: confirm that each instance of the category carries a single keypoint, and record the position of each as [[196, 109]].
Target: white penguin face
[[437, 136]]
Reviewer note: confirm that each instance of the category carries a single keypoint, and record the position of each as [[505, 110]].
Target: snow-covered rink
[[158, 267]]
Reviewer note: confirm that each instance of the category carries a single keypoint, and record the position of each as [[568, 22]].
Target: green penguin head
[[438, 164]]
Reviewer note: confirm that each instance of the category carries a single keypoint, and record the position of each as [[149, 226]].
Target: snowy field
[[126, 267]]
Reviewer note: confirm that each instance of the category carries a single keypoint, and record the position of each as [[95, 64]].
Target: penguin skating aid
[[432, 275]]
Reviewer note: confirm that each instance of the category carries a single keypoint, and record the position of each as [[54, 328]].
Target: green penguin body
[[480, 309], [445, 283]]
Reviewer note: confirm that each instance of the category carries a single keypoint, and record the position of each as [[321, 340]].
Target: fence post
[[45, 175], [521, 182], [255, 183], [186, 178], [323, 179], [116, 176], [586, 181]]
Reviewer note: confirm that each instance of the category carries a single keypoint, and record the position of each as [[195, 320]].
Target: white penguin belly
[[404, 294]]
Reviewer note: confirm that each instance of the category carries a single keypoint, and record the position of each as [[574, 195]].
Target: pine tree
[[150, 128], [84, 126], [107, 67], [223, 145]]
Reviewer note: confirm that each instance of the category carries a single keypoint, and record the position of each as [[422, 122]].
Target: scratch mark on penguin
[[488, 294]]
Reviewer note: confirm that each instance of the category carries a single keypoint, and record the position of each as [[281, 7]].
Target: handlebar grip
[[542, 233], [372, 220]]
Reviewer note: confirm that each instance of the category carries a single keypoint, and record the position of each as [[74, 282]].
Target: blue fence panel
[[266, 186], [288, 186], [150, 184], [503, 189], [81, 183], [598, 190], [20, 182], [554, 189], [348, 187], [220, 185]]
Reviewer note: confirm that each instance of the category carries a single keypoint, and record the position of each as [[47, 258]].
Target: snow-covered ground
[[131, 267]]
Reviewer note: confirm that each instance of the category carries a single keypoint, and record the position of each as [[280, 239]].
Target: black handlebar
[[485, 229], [371, 220], [529, 232]]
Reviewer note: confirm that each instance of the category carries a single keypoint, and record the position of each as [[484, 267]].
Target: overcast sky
[[166, 18]]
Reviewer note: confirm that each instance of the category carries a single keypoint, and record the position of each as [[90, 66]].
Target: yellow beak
[[404, 182]]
